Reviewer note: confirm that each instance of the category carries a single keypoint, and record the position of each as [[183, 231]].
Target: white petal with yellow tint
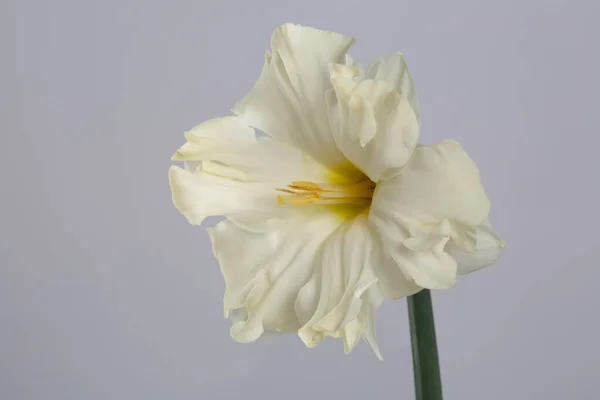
[[392, 68], [272, 267], [216, 138], [437, 199], [234, 173], [393, 282], [312, 275], [440, 182], [487, 250], [424, 259], [288, 100], [199, 194], [333, 302], [373, 125], [372, 299], [230, 142], [240, 253]]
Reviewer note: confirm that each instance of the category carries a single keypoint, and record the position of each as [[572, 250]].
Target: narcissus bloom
[[339, 207]]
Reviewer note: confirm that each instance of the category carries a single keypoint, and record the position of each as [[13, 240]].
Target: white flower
[[339, 207]]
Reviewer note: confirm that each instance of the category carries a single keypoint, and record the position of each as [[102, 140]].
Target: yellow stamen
[[301, 193]]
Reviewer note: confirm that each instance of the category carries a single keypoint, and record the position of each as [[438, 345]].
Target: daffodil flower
[[339, 206]]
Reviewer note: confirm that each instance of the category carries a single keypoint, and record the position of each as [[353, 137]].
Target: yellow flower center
[[301, 193]]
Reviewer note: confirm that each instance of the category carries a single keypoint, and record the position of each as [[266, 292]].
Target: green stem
[[428, 385]]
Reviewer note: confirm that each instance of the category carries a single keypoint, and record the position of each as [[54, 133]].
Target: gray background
[[107, 293]]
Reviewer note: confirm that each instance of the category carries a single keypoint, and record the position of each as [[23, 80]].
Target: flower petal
[[231, 172], [216, 138], [340, 298], [312, 275], [199, 194], [264, 271], [440, 182], [416, 260], [288, 100], [394, 283], [437, 200], [487, 250], [373, 125], [425, 260], [392, 68], [372, 300]]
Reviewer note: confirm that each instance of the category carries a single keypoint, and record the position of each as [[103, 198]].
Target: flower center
[[301, 193]]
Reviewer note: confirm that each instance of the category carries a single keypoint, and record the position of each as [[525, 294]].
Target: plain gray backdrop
[[106, 292]]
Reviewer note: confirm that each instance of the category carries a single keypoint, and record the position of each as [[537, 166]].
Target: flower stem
[[426, 367]]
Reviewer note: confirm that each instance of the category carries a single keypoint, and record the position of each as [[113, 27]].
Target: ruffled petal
[[392, 68], [373, 125], [340, 298], [312, 275], [288, 100], [487, 249], [424, 259], [417, 255], [393, 282], [372, 299], [440, 182], [264, 271], [436, 201]]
